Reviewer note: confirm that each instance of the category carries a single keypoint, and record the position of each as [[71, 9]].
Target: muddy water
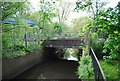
[[51, 69]]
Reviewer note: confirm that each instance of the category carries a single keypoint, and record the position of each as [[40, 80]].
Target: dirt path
[[53, 69]]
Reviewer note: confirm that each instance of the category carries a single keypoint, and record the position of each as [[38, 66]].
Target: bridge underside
[[65, 43]]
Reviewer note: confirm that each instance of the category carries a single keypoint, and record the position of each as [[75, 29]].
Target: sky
[[73, 15]]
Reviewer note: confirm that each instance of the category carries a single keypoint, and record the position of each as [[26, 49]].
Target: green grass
[[110, 69]]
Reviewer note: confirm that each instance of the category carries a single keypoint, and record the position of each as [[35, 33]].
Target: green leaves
[[58, 27], [85, 69], [108, 26], [105, 51], [90, 6], [81, 24], [10, 9]]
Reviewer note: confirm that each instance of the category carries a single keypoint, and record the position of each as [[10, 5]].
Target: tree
[[81, 24], [15, 36], [12, 9], [112, 29], [94, 6], [63, 9], [46, 11], [109, 26], [46, 14]]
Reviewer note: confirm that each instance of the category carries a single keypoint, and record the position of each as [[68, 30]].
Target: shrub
[[110, 69], [98, 48], [85, 68]]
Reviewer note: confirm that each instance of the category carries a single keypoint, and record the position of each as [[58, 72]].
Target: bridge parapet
[[65, 43]]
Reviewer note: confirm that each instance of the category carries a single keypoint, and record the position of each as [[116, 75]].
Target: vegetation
[[19, 37], [105, 32], [69, 52], [110, 69], [101, 27], [85, 68]]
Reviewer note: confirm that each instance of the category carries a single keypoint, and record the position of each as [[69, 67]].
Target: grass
[[110, 69]]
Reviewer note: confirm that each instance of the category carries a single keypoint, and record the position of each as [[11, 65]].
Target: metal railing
[[98, 72], [65, 35]]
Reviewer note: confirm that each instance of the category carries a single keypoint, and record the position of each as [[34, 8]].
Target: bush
[[19, 50], [110, 69], [98, 48], [85, 68]]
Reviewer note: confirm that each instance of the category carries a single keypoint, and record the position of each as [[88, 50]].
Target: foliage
[[12, 9], [71, 52], [98, 47], [46, 11], [94, 6], [106, 25], [14, 51], [85, 68], [67, 53], [14, 39], [110, 69], [111, 31], [46, 15], [82, 24], [75, 52], [97, 44], [58, 27], [18, 39]]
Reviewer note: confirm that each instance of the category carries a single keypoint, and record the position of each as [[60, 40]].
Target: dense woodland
[[102, 27]]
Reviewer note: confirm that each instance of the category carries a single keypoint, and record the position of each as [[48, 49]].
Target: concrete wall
[[12, 67]]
